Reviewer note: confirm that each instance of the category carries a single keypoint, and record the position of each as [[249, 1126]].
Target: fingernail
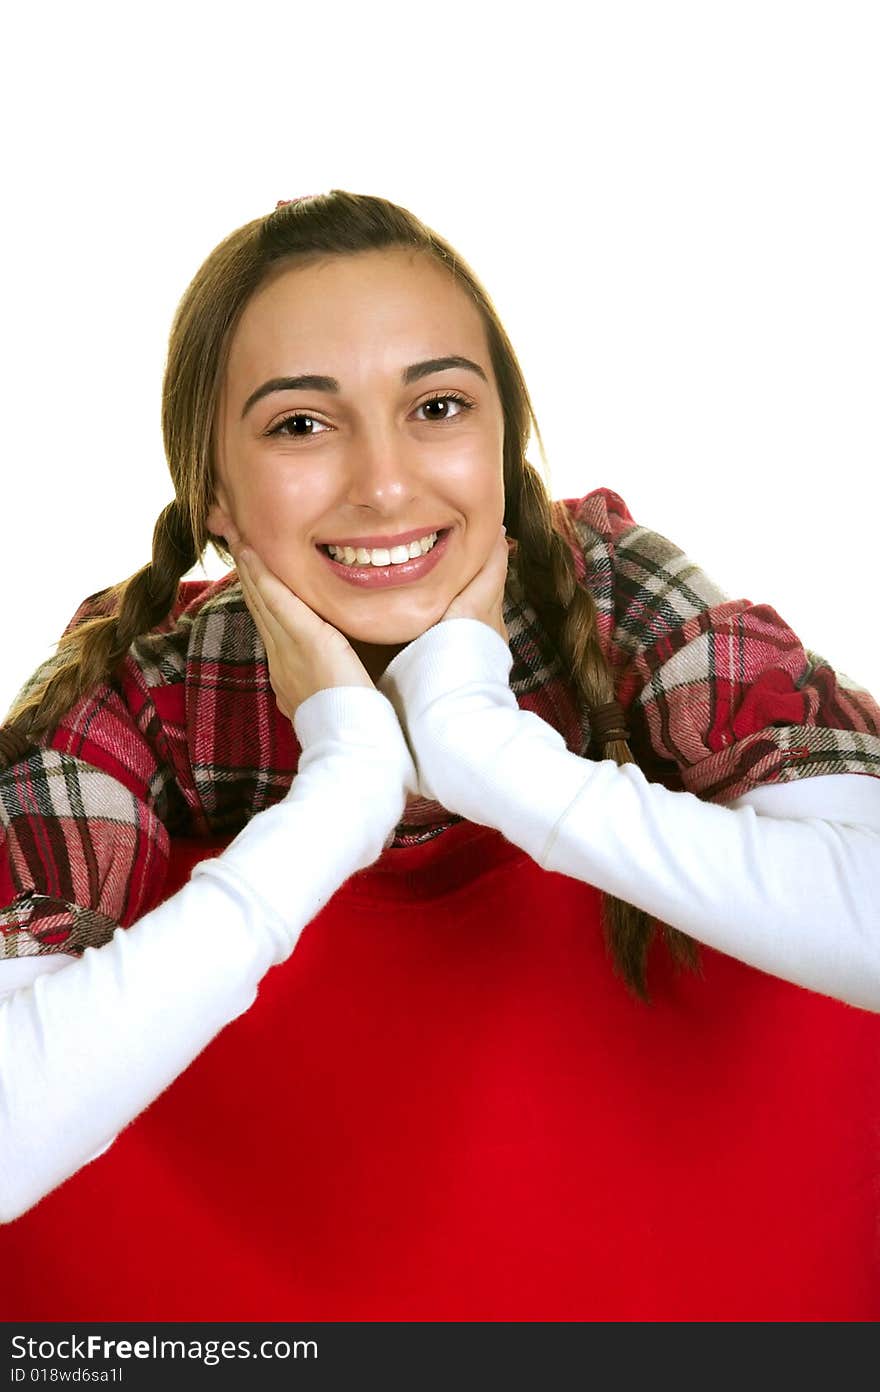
[[244, 557]]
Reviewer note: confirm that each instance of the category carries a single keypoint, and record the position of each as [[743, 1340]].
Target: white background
[[673, 205]]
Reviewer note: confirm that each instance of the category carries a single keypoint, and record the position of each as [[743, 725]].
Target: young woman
[[429, 768]]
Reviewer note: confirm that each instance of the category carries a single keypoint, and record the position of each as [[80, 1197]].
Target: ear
[[219, 518]]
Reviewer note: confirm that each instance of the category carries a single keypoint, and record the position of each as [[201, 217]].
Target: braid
[[94, 648], [568, 612]]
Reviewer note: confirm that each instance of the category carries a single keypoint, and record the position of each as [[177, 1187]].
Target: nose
[[382, 471]]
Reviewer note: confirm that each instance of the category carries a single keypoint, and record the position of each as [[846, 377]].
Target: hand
[[483, 597], [305, 653]]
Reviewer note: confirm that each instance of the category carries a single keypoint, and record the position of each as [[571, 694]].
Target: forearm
[[85, 1049], [797, 898]]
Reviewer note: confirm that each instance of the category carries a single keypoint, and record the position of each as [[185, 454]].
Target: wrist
[[453, 655], [353, 752], [359, 715], [507, 769]]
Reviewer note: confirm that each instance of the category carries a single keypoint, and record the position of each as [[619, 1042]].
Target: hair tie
[[608, 722], [282, 202]]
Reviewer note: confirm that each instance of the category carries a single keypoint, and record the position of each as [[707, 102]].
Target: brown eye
[[279, 429], [462, 401]]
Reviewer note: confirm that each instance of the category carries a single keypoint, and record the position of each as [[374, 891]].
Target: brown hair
[[328, 224]]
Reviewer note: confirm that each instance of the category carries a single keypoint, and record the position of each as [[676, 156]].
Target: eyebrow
[[312, 381]]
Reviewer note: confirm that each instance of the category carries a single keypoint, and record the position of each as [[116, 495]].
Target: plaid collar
[[233, 751], [186, 738]]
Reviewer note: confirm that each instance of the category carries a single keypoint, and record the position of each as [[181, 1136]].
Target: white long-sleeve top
[[787, 879], [73, 1066]]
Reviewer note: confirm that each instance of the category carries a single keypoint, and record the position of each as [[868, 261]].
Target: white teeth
[[382, 556]]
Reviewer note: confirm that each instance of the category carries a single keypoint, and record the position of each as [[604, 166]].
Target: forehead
[[390, 302]]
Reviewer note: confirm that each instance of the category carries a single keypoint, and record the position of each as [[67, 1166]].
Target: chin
[[392, 635], [394, 630]]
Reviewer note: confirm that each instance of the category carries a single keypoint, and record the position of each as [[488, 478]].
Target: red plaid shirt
[[187, 740]]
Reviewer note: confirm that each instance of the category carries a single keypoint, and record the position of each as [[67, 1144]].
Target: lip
[[373, 542], [372, 577]]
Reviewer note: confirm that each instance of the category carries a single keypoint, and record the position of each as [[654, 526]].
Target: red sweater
[[476, 1121]]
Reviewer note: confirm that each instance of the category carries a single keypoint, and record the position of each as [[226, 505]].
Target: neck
[[375, 657]]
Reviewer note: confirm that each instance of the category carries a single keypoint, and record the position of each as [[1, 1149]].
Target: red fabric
[[444, 1106]]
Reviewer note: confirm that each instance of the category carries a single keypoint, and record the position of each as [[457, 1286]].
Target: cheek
[[471, 476], [284, 508], [485, 508]]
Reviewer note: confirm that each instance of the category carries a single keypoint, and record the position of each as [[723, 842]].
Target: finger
[[500, 549], [489, 580], [254, 584], [249, 590], [269, 632], [252, 602]]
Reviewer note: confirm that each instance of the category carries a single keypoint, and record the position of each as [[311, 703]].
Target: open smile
[[371, 576]]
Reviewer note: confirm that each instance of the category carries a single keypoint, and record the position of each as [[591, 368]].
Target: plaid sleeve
[[84, 823], [80, 854], [721, 695]]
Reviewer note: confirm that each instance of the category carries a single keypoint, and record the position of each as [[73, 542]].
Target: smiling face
[[372, 462]]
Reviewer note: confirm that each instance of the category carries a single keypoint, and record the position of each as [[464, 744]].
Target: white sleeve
[[786, 880], [73, 1066], [21, 971]]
